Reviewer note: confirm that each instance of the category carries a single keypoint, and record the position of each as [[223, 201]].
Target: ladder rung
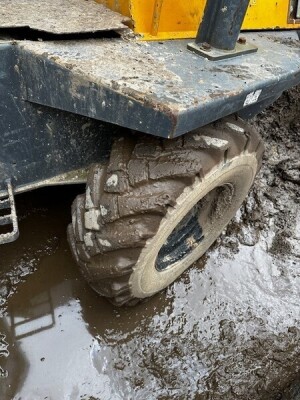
[[6, 219], [9, 219], [4, 203]]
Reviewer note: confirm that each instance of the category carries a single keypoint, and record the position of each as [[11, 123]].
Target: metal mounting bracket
[[214, 54], [10, 218], [217, 37]]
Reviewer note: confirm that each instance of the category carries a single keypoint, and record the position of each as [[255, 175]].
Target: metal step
[[11, 217]]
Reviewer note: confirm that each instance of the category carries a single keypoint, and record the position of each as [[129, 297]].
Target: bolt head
[[206, 46], [242, 40]]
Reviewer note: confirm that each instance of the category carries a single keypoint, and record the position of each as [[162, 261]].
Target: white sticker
[[252, 97]]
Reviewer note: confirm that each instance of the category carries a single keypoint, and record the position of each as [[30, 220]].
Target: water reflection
[[54, 323], [40, 318]]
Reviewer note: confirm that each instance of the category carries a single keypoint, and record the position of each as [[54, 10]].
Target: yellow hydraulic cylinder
[[169, 19]]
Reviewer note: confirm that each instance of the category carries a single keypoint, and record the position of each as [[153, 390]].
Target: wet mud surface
[[229, 328]]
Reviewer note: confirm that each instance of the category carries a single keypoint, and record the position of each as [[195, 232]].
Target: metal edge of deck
[[52, 82]]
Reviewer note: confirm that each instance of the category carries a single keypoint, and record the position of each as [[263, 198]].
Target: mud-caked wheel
[[158, 205]]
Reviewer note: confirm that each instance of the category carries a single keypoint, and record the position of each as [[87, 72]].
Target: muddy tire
[[158, 205]]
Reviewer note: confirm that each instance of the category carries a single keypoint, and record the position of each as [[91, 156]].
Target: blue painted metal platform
[[159, 88]]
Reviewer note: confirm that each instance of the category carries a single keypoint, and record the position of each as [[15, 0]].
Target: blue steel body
[[61, 103]]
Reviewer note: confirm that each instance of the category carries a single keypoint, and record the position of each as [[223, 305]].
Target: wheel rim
[[192, 229], [235, 180]]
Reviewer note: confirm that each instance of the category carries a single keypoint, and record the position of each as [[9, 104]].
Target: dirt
[[229, 328], [60, 17]]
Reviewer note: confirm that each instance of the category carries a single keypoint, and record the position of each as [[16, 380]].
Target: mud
[[60, 18], [229, 328]]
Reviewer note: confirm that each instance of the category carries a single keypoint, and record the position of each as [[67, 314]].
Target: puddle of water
[[53, 322], [58, 334], [226, 332]]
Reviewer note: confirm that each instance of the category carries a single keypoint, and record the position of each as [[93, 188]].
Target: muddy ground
[[229, 328]]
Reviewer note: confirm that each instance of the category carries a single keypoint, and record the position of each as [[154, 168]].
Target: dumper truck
[[147, 103]]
